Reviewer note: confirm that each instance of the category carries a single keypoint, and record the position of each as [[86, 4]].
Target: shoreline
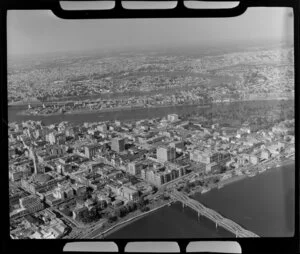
[[40, 103], [232, 180], [22, 113], [238, 178], [120, 225], [193, 194], [285, 163]]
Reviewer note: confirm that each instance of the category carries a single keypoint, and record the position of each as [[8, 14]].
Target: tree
[[70, 149], [145, 209], [84, 216], [140, 193], [123, 211], [117, 212], [105, 214], [18, 152], [89, 216], [154, 188], [166, 197], [89, 190], [131, 206], [112, 218], [216, 180], [142, 202], [197, 183], [223, 170], [191, 185]]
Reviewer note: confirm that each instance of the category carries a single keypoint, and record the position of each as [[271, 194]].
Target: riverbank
[[192, 194], [231, 180], [116, 109], [127, 222], [133, 114], [128, 108], [263, 204], [237, 178], [68, 100]]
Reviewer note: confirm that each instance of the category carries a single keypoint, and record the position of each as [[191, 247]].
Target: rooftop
[[42, 178]]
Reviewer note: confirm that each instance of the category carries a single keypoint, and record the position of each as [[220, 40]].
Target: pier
[[217, 218]]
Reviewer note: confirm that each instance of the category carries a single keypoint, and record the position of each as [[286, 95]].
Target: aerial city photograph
[[151, 128]]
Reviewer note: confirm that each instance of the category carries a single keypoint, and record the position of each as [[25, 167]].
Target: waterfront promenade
[[218, 219], [97, 233]]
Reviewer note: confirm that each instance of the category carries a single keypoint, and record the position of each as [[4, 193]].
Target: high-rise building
[[91, 150], [134, 168], [58, 138], [179, 145], [209, 157], [166, 154], [118, 145], [55, 150], [159, 178], [212, 167], [51, 138], [152, 177]]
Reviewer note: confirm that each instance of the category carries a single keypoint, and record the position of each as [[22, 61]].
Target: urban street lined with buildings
[[95, 177]]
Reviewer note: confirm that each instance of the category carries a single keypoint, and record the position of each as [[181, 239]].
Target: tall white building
[[166, 154]]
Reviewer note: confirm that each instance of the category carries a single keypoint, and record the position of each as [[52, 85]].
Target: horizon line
[[245, 43]]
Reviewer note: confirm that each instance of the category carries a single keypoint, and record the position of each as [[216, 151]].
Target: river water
[[128, 114], [131, 114], [263, 204]]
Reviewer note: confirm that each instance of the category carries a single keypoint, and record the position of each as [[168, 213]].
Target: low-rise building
[[31, 203], [129, 194]]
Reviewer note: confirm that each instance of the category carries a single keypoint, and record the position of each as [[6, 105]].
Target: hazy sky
[[41, 31]]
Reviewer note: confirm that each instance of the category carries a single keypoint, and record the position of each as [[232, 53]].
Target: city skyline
[[194, 139]]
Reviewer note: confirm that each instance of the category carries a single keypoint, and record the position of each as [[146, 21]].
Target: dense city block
[[75, 180]]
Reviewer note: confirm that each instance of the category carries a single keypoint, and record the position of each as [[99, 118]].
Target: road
[[73, 222]]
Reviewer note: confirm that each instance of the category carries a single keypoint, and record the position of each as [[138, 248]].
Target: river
[[263, 204], [132, 114]]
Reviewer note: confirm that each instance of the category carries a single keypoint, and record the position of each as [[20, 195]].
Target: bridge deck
[[213, 215]]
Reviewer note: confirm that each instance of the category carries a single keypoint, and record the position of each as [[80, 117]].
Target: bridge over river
[[219, 220]]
